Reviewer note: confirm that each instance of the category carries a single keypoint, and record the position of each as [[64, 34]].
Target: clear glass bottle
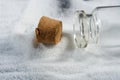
[[101, 27]]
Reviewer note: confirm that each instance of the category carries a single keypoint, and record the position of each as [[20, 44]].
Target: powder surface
[[19, 60]]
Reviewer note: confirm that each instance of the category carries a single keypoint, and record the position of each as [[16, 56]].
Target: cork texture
[[49, 30]]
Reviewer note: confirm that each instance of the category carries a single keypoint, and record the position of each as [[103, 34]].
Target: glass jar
[[101, 27]]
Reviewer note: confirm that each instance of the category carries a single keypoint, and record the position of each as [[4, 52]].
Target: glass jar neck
[[87, 27]]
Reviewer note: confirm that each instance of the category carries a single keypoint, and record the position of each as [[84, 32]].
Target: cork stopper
[[49, 30]]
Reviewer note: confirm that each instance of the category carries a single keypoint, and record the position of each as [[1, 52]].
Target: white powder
[[19, 60]]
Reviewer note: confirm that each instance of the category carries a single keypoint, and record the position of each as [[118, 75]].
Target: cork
[[49, 30]]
